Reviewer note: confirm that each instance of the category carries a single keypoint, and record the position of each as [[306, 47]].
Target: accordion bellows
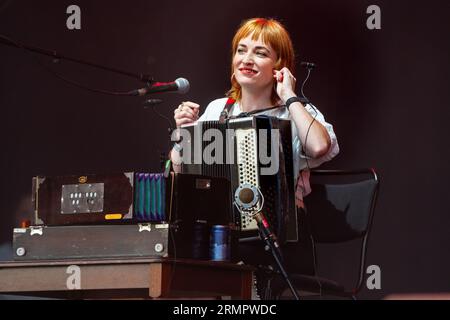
[[150, 197]]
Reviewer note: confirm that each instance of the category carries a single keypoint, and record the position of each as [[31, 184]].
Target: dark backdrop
[[385, 91]]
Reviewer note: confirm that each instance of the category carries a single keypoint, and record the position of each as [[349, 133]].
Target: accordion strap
[[226, 110], [225, 114]]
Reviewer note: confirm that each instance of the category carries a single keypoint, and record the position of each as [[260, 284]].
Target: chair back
[[341, 211]]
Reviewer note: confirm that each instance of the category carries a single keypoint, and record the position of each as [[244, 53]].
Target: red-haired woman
[[262, 78]]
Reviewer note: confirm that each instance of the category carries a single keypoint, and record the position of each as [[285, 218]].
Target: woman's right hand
[[187, 112]]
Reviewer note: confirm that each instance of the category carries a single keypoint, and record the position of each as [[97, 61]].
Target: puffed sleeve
[[213, 110]]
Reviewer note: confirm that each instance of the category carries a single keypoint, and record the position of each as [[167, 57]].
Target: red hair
[[272, 32]]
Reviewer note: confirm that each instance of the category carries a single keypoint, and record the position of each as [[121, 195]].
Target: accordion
[[128, 198], [254, 151], [127, 214]]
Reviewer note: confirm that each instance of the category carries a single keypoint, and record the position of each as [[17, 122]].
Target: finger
[[179, 118], [288, 72], [278, 75], [286, 76], [194, 111], [191, 104], [188, 110], [185, 114]]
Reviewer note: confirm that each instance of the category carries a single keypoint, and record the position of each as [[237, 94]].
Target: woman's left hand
[[285, 83]]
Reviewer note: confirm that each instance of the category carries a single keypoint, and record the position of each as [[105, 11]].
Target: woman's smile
[[248, 71]]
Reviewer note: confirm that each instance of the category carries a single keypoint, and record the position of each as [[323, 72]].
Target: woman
[[262, 77]]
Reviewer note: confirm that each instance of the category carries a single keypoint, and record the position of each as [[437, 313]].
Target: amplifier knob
[[159, 247], [21, 251]]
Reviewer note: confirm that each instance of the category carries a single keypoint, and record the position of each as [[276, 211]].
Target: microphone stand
[[249, 201], [9, 42], [272, 243]]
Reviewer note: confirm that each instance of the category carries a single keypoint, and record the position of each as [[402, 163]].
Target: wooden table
[[127, 278]]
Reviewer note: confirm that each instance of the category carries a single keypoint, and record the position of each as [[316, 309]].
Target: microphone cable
[[64, 79], [170, 130], [309, 67]]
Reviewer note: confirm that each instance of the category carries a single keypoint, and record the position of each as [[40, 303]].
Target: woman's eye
[[260, 53], [240, 50]]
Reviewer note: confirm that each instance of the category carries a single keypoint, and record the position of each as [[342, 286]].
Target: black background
[[385, 91]]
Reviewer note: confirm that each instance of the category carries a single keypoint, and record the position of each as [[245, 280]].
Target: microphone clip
[[308, 65]]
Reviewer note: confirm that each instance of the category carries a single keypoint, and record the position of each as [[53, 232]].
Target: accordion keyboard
[[247, 160]]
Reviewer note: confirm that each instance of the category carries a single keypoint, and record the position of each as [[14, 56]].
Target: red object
[[25, 223]]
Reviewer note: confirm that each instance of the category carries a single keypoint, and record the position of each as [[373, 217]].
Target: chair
[[338, 211]]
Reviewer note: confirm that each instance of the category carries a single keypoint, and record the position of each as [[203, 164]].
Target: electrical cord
[[316, 276], [77, 84], [171, 231], [312, 121], [64, 79], [310, 124], [170, 128], [81, 86], [313, 244], [174, 247]]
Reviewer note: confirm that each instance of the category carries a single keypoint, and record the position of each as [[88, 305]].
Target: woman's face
[[253, 64]]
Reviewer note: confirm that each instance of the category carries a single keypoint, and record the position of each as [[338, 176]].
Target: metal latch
[[145, 227], [36, 230]]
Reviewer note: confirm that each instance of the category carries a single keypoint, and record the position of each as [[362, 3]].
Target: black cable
[[55, 55], [174, 244], [312, 121], [313, 244], [310, 124], [81, 86], [267, 236], [170, 128], [316, 276], [74, 83], [304, 81]]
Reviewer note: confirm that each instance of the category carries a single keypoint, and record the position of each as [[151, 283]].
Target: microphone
[[247, 200], [180, 85], [308, 65]]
